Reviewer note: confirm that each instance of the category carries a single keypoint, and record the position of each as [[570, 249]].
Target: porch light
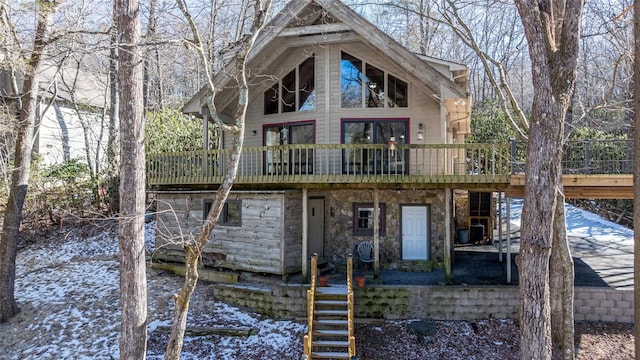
[[392, 144], [421, 131]]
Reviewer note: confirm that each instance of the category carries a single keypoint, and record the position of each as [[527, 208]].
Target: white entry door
[[415, 233]]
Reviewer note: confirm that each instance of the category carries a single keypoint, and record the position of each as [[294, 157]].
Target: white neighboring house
[[73, 121]]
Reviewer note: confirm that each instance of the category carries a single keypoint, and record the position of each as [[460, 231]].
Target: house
[[71, 118], [349, 138]]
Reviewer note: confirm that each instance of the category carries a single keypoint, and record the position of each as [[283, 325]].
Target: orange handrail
[[350, 301], [311, 293]]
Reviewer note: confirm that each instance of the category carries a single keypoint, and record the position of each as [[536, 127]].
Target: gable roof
[[305, 21]]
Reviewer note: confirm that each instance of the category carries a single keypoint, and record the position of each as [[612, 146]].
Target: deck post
[[447, 235], [305, 242], [376, 234], [509, 240], [499, 226], [205, 140], [513, 155]]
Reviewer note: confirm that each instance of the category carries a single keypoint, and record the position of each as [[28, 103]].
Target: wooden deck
[[592, 169]]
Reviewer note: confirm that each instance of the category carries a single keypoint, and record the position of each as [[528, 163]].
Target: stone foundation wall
[[427, 302], [342, 241]]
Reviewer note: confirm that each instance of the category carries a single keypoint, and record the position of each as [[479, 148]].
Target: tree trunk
[[536, 239], [113, 155], [193, 247], [22, 164], [636, 175], [561, 283], [552, 29], [133, 285]]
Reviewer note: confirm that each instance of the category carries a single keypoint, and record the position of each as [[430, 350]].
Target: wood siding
[[260, 244]]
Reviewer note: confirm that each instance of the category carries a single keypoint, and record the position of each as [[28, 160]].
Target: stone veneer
[[340, 239], [287, 301]]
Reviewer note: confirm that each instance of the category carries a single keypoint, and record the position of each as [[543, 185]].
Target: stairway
[[330, 318], [330, 323]]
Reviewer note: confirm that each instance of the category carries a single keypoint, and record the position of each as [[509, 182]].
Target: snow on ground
[[606, 247], [582, 224], [68, 292]]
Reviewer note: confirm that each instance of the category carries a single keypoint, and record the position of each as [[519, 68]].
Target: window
[[374, 89], [364, 85], [294, 92], [363, 218], [374, 160], [351, 81], [282, 161], [397, 92], [231, 212]]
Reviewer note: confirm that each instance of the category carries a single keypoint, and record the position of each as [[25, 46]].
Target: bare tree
[[133, 283], [636, 175], [113, 153], [22, 161], [494, 69], [552, 29], [193, 246]]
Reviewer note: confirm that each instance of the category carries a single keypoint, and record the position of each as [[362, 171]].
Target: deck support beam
[[305, 234], [376, 234], [508, 240], [447, 235]]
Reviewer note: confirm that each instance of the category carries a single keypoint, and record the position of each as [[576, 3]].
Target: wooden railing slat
[[371, 163]]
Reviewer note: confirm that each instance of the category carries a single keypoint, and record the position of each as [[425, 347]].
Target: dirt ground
[[79, 317]]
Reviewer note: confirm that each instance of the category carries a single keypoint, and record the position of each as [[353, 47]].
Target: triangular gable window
[[296, 91], [364, 85]]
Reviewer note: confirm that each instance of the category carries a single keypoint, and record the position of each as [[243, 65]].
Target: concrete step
[[332, 290], [329, 323], [331, 333], [329, 355], [331, 313], [331, 304], [331, 343]]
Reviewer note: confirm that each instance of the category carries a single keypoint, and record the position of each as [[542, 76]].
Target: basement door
[[415, 232], [315, 235]]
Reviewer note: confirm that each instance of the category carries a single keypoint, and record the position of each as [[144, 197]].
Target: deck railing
[[337, 163], [381, 163], [589, 157]]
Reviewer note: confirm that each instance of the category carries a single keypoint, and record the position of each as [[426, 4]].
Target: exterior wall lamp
[[421, 131]]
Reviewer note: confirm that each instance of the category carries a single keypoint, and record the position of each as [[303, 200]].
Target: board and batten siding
[[259, 245]]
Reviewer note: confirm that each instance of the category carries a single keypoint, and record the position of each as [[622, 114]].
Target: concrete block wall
[[464, 302], [276, 301], [603, 304], [286, 301], [255, 298]]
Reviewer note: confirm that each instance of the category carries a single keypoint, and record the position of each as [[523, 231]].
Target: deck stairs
[[330, 320]]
